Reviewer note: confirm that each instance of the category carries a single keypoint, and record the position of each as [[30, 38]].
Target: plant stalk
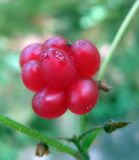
[[36, 135], [131, 14]]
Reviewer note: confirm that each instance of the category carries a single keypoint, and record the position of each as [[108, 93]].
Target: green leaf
[[89, 139]]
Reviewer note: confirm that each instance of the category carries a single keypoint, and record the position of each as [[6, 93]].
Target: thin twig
[[89, 131]]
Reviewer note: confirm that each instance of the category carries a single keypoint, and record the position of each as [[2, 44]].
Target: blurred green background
[[27, 21]]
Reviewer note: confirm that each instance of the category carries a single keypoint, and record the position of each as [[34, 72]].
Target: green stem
[[83, 123], [118, 37], [36, 135], [90, 131], [116, 41], [84, 156]]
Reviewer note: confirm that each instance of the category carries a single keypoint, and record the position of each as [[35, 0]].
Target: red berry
[[86, 57], [52, 69], [49, 104], [30, 52], [32, 76], [57, 68], [83, 95], [56, 42]]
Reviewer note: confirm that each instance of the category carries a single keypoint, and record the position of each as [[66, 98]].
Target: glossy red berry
[[30, 52], [61, 76], [86, 57], [56, 42], [57, 68], [83, 95], [32, 76], [49, 103]]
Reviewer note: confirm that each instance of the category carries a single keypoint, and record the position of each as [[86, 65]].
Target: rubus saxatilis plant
[[61, 77]]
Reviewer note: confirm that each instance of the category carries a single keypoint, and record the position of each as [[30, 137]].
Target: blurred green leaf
[[12, 61]]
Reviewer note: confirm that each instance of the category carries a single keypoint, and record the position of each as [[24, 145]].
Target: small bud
[[111, 125], [104, 86], [41, 150]]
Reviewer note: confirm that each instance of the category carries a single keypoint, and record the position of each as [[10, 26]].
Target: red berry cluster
[[60, 74]]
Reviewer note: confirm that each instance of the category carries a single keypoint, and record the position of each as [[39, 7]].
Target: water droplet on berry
[[90, 106], [87, 107], [44, 55], [59, 55], [43, 51]]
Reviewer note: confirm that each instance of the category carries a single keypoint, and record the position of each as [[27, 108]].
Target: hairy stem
[[118, 37], [36, 135]]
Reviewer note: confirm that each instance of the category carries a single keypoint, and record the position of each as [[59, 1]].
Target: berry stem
[[83, 123], [118, 37], [36, 135], [90, 131], [84, 155], [108, 127]]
